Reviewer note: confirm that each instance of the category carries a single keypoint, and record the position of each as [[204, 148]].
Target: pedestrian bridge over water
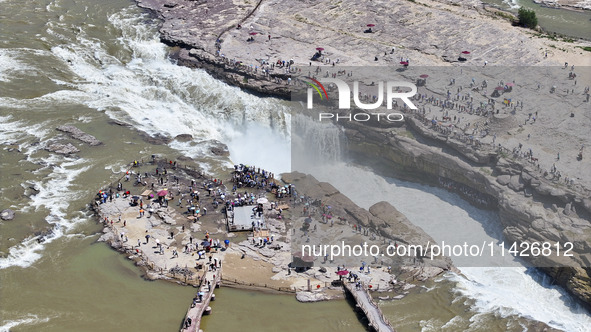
[[365, 302]]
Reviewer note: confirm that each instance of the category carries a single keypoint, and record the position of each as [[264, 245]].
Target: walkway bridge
[[365, 302], [195, 313]]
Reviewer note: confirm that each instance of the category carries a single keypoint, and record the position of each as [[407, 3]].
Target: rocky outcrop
[[382, 218], [157, 139], [7, 214], [312, 296], [219, 149], [521, 194], [79, 135], [65, 149], [107, 236], [195, 26], [233, 74], [183, 137], [119, 123]]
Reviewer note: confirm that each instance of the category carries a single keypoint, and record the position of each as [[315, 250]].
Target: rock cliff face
[[530, 207], [194, 27]]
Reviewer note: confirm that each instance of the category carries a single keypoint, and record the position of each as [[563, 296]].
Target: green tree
[[527, 18]]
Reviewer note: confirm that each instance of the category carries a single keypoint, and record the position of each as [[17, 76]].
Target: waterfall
[[315, 143]]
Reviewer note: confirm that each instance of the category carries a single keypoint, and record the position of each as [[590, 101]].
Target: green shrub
[[527, 18]]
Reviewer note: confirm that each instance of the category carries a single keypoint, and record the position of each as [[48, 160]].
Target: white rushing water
[[28, 320], [54, 187], [518, 291], [513, 4], [8, 63], [160, 97]]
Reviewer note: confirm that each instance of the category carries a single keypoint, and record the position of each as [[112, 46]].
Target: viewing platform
[[244, 218]]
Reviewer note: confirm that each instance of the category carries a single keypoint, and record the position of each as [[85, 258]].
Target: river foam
[[30, 319], [53, 186], [10, 64], [524, 292]]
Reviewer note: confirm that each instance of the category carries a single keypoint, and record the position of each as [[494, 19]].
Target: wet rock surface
[[219, 149], [183, 137], [79, 135], [63, 148], [7, 214]]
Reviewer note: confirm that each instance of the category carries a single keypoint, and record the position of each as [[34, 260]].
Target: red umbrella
[[342, 272], [162, 193], [371, 25], [424, 76], [465, 52], [252, 33], [319, 49], [499, 88]]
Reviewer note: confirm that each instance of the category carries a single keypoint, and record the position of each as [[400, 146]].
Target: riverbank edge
[[573, 280], [539, 31], [511, 17]]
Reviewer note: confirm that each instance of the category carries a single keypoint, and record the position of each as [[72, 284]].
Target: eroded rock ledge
[[530, 207], [79, 135]]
